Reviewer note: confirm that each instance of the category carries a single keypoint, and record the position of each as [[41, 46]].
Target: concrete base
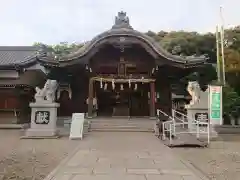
[[228, 129], [41, 132], [213, 133], [76, 138], [153, 118], [11, 126], [39, 137], [43, 120]]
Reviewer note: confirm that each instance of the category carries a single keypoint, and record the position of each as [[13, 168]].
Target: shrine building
[[120, 72]]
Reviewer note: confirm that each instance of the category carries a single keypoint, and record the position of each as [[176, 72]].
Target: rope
[[142, 80]]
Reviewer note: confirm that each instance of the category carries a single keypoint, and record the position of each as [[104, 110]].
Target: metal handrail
[[167, 125], [175, 113], [184, 115]]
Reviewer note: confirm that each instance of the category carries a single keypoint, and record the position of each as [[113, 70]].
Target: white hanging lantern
[[158, 96], [153, 69], [148, 94], [135, 87], [129, 83], [121, 87], [113, 84], [105, 86], [90, 69], [101, 83], [157, 68], [142, 79]]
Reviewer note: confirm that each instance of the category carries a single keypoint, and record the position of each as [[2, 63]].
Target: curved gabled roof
[[122, 29]]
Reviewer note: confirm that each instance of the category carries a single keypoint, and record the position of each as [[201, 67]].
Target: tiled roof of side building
[[17, 55]]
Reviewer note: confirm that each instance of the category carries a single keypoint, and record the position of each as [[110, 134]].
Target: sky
[[23, 22]]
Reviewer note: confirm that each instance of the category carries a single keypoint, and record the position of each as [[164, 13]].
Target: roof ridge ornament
[[121, 21]]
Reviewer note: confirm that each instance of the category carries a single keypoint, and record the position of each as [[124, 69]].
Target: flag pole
[[217, 53], [222, 46]]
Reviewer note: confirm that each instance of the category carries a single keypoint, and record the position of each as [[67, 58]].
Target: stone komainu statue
[[194, 90], [47, 93], [51, 88], [39, 95]]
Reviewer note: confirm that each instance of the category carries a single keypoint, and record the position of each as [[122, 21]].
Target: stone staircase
[[64, 125], [64, 121], [122, 125]]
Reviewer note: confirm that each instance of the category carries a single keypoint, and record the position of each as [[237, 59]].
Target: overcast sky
[[23, 22]]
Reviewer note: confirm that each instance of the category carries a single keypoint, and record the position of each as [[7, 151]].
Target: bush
[[231, 103]]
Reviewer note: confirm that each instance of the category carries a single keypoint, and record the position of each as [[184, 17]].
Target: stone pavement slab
[[127, 156], [109, 177], [220, 161], [165, 176]]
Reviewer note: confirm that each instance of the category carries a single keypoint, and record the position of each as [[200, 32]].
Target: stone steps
[[119, 130], [121, 125], [64, 125], [111, 125]]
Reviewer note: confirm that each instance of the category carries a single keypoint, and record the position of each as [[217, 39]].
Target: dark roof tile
[[11, 55]]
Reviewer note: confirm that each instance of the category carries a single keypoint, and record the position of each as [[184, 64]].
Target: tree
[[63, 48], [188, 44], [232, 62], [231, 104]]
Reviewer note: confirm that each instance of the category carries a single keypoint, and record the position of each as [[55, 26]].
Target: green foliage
[[231, 102], [193, 43], [63, 48]]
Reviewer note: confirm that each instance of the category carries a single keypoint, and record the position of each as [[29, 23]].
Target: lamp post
[[217, 53], [222, 45]]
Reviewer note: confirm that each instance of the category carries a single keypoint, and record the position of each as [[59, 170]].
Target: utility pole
[[222, 46], [218, 55]]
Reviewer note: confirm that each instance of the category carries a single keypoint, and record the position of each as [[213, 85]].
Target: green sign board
[[215, 104]]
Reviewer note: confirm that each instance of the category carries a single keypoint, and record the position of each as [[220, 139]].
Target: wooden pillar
[[90, 98], [152, 100]]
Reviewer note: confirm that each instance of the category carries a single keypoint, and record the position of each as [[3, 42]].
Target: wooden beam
[[90, 98], [152, 100]]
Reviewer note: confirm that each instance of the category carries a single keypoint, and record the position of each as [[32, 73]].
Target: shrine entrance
[[123, 103], [122, 99], [139, 103]]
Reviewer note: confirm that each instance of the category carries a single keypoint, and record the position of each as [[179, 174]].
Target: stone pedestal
[[201, 114], [43, 120], [196, 113]]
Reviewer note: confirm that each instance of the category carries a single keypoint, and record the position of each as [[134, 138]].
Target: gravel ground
[[28, 159], [221, 161]]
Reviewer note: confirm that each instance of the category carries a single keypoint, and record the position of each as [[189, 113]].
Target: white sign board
[[76, 130]]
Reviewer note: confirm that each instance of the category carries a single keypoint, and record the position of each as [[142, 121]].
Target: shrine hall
[[119, 73]]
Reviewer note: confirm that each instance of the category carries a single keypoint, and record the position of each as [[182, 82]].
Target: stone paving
[[128, 156], [221, 161]]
